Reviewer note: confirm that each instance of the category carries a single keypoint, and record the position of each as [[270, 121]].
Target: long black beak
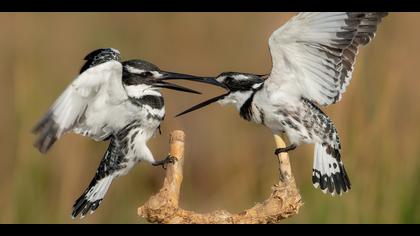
[[171, 75], [163, 84], [203, 104], [206, 80]]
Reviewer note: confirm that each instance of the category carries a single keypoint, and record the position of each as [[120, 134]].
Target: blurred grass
[[229, 163]]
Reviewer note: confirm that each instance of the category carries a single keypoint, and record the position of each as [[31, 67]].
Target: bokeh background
[[229, 162]]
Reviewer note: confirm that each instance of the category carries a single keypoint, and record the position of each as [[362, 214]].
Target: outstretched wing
[[314, 52], [66, 111]]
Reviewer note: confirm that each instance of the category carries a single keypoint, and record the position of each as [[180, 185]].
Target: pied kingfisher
[[110, 100], [313, 56]]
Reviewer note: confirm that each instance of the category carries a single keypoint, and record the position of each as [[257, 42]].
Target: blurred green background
[[229, 162]]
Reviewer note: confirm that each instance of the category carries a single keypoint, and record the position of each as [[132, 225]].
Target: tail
[[112, 164], [328, 172], [92, 197]]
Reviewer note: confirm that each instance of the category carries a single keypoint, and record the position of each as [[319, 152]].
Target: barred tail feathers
[[92, 197], [328, 171]]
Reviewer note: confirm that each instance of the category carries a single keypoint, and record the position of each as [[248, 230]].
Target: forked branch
[[163, 207]]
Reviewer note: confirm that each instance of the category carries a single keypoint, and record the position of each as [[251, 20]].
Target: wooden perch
[[163, 207]]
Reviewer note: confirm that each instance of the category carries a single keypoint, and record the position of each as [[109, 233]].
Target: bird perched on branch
[[115, 101], [313, 55]]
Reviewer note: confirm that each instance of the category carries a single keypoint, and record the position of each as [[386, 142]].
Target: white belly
[[283, 115]]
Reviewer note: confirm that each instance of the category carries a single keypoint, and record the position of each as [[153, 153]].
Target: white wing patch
[[314, 53], [70, 107]]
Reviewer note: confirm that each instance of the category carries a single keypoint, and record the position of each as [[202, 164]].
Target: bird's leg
[[168, 160], [285, 149]]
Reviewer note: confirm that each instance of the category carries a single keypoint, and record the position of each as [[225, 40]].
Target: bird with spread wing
[[313, 57], [113, 101]]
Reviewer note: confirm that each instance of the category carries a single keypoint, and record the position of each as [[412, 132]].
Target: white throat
[[236, 98], [140, 90]]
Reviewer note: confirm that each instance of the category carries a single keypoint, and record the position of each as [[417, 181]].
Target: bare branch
[[163, 207]]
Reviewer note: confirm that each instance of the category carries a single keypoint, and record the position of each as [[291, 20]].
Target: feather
[[321, 49]]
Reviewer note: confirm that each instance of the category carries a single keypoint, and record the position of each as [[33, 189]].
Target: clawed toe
[[168, 160], [285, 149]]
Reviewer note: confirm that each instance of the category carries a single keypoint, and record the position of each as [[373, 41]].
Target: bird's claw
[[168, 160], [285, 149]]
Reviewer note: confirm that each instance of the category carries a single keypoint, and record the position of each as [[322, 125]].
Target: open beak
[[163, 84], [206, 80], [203, 104], [160, 83]]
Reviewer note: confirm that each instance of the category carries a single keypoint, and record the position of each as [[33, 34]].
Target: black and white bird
[[313, 56], [115, 101]]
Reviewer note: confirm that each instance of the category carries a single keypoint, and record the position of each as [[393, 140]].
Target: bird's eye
[[145, 74], [229, 81]]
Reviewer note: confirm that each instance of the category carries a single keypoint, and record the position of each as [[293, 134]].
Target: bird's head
[[100, 56], [239, 88], [139, 76]]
